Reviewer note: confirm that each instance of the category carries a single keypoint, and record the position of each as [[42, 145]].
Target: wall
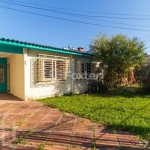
[[16, 75], [34, 90]]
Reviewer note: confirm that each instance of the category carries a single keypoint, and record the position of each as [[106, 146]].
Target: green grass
[[125, 111]]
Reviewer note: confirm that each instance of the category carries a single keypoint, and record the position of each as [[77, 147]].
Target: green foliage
[[142, 75], [97, 87], [21, 121], [21, 139], [125, 111], [119, 54], [41, 146]]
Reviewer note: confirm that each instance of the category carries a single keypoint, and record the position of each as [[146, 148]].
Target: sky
[[60, 23]]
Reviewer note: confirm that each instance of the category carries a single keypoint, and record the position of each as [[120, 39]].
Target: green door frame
[[3, 85]]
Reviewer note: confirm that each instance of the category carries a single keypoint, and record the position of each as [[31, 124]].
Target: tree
[[119, 55]]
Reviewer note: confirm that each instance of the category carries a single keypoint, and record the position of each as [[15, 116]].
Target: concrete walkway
[[34, 126]]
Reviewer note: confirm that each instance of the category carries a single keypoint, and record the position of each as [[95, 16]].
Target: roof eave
[[44, 48]]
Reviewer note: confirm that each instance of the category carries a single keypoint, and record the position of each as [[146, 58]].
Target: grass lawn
[[125, 111]]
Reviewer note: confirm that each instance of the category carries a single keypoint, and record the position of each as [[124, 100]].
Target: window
[[85, 68], [52, 68], [1, 73]]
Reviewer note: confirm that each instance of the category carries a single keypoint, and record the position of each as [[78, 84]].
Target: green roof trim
[[34, 46]]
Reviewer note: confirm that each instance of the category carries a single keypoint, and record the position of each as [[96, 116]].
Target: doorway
[[3, 75]]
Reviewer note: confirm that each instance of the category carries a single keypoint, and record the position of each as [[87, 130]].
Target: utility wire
[[14, 3], [79, 10], [76, 15], [147, 40], [145, 36], [88, 23]]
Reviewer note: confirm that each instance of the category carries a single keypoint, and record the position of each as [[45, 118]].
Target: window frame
[[83, 62], [94, 68], [2, 71], [64, 68]]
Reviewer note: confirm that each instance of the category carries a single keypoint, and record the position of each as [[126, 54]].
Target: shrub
[[97, 87], [142, 76]]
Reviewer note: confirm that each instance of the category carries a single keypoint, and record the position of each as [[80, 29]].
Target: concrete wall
[[16, 75], [34, 90]]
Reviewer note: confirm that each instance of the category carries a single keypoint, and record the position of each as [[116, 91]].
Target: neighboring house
[[31, 71]]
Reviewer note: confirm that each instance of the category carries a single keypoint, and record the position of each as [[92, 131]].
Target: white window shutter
[[65, 69], [47, 63], [40, 69], [78, 68], [52, 68]]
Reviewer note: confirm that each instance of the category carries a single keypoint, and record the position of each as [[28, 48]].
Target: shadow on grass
[[142, 131], [125, 94]]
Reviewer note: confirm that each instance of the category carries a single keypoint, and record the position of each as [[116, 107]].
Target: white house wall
[[34, 90]]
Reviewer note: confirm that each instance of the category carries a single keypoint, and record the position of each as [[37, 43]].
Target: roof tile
[[44, 47]]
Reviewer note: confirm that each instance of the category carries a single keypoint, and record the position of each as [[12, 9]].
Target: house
[[32, 71]]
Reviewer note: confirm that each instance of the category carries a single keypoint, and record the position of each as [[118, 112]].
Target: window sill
[[52, 81]]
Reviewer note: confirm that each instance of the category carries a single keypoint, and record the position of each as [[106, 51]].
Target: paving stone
[[61, 138], [66, 118], [60, 130], [50, 117], [8, 106], [15, 111], [55, 147], [63, 126], [45, 108], [56, 112], [128, 140], [18, 118], [27, 126], [7, 117], [26, 148], [36, 138], [36, 107], [99, 128], [76, 147], [6, 148], [83, 120], [106, 139], [82, 139], [110, 148], [28, 111], [12, 137], [43, 112], [44, 126], [4, 105], [84, 125], [4, 111], [35, 118]]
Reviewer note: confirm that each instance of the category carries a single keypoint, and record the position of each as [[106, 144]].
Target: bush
[[97, 87], [142, 76]]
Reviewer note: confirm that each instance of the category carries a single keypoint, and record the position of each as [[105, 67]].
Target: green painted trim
[[11, 49], [40, 47], [3, 86]]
